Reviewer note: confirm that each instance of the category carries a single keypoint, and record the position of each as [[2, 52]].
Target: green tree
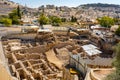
[[73, 19], [113, 76], [117, 21], [63, 19], [116, 64], [14, 17], [117, 32], [43, 19], [55, 21], [18, 12], [6, 21], [3, 16], [106, 21]]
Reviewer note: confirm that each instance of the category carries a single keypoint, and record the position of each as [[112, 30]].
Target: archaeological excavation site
[[59, 40], [57, 54], [37, 56]]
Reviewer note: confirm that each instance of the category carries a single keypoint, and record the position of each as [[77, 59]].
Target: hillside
[[101, 5], [85, 12], [6, 6], [96, 10]]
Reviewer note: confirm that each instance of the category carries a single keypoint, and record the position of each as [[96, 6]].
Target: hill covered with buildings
[[86, 12]]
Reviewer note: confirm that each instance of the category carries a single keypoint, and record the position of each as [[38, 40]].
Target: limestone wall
[[23, 36], [38, 49], [63, 44]]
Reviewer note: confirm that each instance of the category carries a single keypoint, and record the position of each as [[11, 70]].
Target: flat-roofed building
[[91, 50]]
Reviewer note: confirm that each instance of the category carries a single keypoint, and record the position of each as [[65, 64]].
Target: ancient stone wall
[[38, 49], [31, 63]]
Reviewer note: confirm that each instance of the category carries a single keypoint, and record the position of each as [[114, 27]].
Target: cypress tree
[[18, 12]]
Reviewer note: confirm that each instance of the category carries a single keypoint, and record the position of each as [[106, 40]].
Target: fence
[[78, 63]]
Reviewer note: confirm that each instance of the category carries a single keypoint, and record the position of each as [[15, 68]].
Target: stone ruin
[[28, 60], [29, 66]]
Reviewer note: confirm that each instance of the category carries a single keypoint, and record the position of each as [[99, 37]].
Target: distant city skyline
[[70, 3]]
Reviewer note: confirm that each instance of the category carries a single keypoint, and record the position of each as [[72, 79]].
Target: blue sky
[[70, 3]]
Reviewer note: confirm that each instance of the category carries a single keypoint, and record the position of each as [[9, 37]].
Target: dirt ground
[[53, 59], [4, 75]]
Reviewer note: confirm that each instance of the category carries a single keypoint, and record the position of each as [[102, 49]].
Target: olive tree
[[106, 21]]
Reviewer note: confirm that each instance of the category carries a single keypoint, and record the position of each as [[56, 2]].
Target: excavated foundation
[[29, 66]]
